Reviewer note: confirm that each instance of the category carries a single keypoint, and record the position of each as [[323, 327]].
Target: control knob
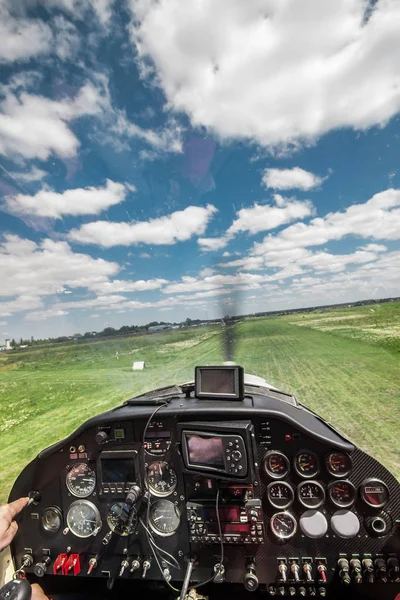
[[236, 455], [101, 437], [250, 581], [41, 567]]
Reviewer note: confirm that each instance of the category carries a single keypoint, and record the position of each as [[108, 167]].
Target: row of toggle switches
[[367, 570]]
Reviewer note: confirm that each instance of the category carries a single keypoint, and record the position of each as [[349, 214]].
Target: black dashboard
[[260, 493]]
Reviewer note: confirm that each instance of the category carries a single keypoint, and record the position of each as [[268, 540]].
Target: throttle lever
[[17, 589]]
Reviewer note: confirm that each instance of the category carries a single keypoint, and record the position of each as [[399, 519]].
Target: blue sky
[[159, 158]]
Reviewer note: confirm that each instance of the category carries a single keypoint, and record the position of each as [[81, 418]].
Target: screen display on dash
[[215, 381], [117, 470], [207, 451]]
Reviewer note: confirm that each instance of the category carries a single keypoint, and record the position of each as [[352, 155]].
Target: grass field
[[344, 364]]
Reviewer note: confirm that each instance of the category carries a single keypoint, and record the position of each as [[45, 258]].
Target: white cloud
[[276, 72], [176, 227], [79, 201], [378, 219], [288, 179], [2, 323], [33, 270], [35, 174], [213, 244], [213, 282], [100, 302], [264, 217], [22, 38], [36, 127], [80, 8], [42, 315], [121, 286], [19, 304], [167, 138]]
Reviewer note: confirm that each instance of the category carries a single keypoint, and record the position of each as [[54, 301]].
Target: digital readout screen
[[218, 381], [207, 451], [228, 513], [228, 528], [117, 470]]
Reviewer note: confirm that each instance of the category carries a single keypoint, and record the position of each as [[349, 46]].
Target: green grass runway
[[343, 364]]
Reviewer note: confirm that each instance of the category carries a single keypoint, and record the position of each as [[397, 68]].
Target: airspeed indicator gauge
[[81, 480]]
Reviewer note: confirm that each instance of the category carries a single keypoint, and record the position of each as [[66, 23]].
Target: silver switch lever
[[124, 566], [146, 567], [135, 566]]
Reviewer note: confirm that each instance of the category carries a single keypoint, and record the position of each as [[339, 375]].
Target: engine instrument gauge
[[306, 464], [311, 494], [115, 523], [52, 519], [280, 494], [338, 464], [161, 478], [342, 493], [283, 525], [276, 464], [83, 519], [374, 493], [81, 480], [164, 517]]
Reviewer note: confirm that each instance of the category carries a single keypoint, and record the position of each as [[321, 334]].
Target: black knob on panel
[[101, 437], [272, 590], [292, 591], [236, 455], [250, 581], [280, 591], [41, 567], [302, 591], [322, 592]]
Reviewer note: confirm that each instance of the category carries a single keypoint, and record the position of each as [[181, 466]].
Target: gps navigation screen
[[205, 450], [218, 381]]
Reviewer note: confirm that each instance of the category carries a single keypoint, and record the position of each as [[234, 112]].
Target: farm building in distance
[[7, 346]]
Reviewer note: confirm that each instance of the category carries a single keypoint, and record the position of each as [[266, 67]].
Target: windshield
[[168, 165]]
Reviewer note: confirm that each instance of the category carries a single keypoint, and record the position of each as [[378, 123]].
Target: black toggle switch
[[394, 569], [380, 570]]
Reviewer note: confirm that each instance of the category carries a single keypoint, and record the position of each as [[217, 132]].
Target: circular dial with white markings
[[283, 525], [164, 517], [161, 478], [83, 519], [115, 522], [81, 480]]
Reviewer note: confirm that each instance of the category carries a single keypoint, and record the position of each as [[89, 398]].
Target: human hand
[[38, 593], [8, 527]]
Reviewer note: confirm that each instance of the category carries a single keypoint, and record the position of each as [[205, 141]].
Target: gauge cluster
[[130, 492]]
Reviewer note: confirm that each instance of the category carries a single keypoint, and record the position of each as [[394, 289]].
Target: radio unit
[[240, 524], [217, 449]]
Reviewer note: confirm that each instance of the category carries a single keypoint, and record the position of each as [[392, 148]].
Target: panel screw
[[180, 553]]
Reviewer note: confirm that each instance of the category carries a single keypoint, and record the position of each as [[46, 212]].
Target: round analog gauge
[[306, 464], [342, 493], [83, 519], [276, 464], [52, 519], [374, 493], [81, 480], [338, 464], [311, 494], [115, 523], [283, 525], [161, 478], [280, 494], [164, 517]]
